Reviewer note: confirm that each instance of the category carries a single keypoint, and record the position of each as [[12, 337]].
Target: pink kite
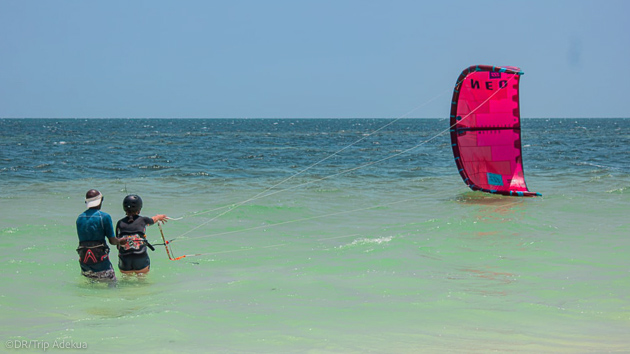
[[486, 130]]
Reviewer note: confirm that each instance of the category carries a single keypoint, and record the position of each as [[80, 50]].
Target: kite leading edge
[[486, 130]]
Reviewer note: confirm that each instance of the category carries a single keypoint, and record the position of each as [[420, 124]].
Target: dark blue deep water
[[220, 149]]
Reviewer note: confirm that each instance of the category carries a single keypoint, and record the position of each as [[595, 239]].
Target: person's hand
[[122, 240], [160, 217]]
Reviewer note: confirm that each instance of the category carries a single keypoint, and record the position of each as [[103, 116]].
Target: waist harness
[[92, 252], [136, 244]]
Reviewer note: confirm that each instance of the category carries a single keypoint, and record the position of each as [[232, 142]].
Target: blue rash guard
[[95, 226]]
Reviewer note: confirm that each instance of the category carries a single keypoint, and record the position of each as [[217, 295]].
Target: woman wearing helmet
[[133, 257]]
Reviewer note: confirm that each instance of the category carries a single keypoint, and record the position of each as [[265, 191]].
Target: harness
[[92, 252], [136, 244]]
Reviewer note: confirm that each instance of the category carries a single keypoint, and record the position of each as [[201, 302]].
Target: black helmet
[[132, 204]]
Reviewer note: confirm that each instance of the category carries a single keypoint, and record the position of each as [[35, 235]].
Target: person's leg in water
[[107, 275], [139, 264]]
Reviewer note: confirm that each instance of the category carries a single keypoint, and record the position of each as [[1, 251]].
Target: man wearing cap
[[93, 226]]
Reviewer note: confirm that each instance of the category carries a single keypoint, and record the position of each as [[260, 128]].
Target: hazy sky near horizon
[[305, 59]]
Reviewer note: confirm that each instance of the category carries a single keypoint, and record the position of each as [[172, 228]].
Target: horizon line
[[292, 117]]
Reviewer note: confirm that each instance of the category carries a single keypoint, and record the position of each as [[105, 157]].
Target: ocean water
[[317, 236]]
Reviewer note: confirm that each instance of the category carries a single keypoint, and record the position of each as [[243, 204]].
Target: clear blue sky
[[301, 59]]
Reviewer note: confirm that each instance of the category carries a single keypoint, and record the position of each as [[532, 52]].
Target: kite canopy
[[486, 130]]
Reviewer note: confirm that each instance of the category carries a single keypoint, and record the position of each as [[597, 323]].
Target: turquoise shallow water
[[396, 257]]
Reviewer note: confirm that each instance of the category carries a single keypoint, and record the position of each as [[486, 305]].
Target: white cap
[[94, 201]]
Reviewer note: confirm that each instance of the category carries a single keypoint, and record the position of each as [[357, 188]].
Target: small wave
[[621, 190], [597, 178], [253, 157], [603, 167], [112, 168], [369, 241], [154, 167], [9, 230], [195, 174]]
